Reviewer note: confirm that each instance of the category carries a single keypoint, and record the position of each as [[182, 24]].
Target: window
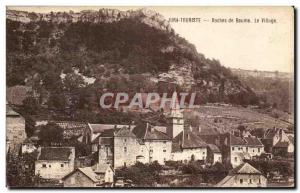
[[164, 150], [253, 150], [250, 181], [165, 141], [258, 149], [247, 149], [125, 149], [44, 166], [151, 150], [62, 165], [125, 140], [203, 153], [259, 180], [49, 166], [241, 181], [232, 148], [235, 159]]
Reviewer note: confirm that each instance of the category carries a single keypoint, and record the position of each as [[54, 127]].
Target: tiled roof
[[236, 140], [99, 128], [253, 141], [188, 139], [55, 153], [153, 134], [214, 148], [71, 124], [124, 132], [245, 168], [270, 133], [87, 171], [281, 144], [150, 132]]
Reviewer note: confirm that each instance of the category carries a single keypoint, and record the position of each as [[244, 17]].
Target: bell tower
[[175, 121]]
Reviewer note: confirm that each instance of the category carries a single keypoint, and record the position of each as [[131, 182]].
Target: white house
[[54, 162]]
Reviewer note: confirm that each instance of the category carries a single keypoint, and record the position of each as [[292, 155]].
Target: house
[[214, 154], [54, 162], [154, 145], [98, 175], [104, 172], [236, 149], [81, 177], [126, 147], [15, 130], [244, 175], [276, 141], [188, 146]]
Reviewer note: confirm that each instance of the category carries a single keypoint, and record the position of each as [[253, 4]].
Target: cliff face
[[145, 16], [134, 50]]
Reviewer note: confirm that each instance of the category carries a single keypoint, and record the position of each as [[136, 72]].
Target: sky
[[251, 46]]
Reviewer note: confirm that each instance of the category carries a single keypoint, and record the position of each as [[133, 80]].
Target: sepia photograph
[[150, 97]]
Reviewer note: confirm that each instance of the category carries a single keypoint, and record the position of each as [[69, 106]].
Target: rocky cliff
[[135, 50]]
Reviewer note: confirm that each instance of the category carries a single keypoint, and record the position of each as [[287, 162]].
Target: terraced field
[[229, 117]]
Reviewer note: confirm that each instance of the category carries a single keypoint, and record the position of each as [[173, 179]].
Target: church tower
[[175, 120]]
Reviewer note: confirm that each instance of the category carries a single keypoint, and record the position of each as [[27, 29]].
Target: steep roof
[[99, 128], [214, 148], [150, 132], [124, 132], [245, 168], [282, 144], [253, 141], [236, 140], [270, 133], [55, 153], [153, 134], [87, 171], [189, 139]]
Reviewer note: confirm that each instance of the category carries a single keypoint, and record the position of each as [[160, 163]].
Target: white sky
[[251, 46]]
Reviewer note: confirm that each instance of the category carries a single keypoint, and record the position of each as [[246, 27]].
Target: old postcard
[[156, 97]]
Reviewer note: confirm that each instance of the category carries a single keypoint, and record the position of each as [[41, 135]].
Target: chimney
[[199, 128]]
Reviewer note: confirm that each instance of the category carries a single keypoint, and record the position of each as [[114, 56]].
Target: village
[[177, 152]]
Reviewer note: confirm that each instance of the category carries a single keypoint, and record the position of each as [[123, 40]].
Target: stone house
[[244, 175], [188, 146], [126, 147], [98, 175], [276, 141], [81, 177], [54, 162], [15, 130], [155, 145], [236, 149]]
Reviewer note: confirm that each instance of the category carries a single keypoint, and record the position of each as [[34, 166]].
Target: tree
[[20, 171], [51, 133]]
